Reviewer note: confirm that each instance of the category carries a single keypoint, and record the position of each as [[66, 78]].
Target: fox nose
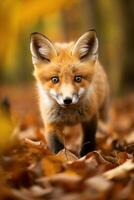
[[67, 101]]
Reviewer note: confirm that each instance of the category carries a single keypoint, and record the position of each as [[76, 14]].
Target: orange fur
[[66, 66]]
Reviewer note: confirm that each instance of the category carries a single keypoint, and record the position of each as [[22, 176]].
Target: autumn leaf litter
[[30, 171]]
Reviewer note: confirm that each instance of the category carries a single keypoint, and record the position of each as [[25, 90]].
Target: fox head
[[65, 71]]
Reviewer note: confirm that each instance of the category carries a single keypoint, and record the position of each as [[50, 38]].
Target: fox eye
[[78, 79], [55, 79]]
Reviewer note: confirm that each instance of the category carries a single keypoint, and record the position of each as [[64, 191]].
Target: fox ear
[[41, 48], [86, 47]]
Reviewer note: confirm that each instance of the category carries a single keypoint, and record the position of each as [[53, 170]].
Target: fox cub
[[72, 87]]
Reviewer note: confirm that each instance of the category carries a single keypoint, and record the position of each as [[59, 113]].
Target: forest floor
[[30, 171]]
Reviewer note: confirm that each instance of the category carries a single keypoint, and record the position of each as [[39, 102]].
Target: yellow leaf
[[6, 128], [51, 165]]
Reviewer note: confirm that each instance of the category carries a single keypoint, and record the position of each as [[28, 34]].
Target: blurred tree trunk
[[73, 21], [128, 65], [106, 19]]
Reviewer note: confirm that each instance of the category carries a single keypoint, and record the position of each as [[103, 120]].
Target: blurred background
[[64, 20]]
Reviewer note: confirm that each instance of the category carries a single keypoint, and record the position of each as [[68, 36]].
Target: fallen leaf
[[67, 155], [99, 183], [120, 171]]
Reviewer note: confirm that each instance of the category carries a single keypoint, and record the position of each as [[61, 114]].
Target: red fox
[[72, 87]]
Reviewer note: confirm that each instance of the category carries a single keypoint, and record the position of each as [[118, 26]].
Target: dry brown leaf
[[121, 157], [67, 155], [80, 167], [37, 146], [68, 180], [120, 171], [54, 164], [97, 159], [73, 196], [51, 166], [99, 183]]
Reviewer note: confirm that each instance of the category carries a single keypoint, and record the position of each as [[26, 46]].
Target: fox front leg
[[89, 132], [53, 135]]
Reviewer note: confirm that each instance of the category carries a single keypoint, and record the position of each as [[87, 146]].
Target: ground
[[30, 171]]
